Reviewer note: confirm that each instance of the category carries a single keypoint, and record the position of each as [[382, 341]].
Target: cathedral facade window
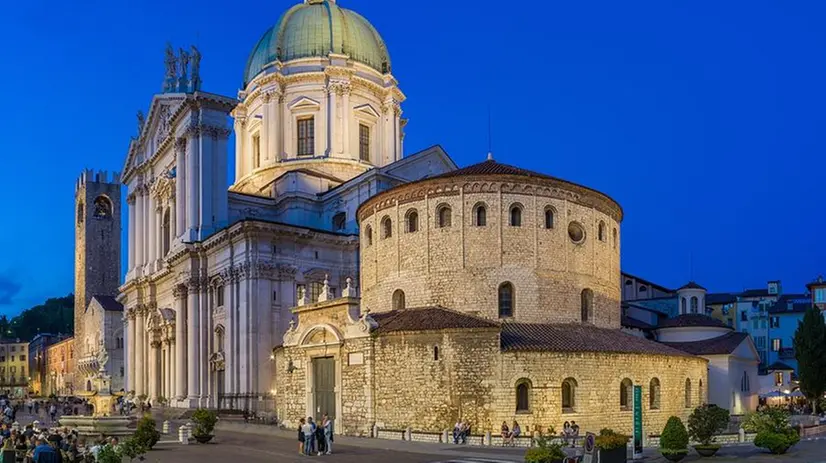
[[505, 300], [569, 386], [364, 142], [523, 396], [306, 136]]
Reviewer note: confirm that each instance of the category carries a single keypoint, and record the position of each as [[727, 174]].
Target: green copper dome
[[315, 29]]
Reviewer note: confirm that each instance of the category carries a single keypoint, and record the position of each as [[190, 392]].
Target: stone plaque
[[355, 358]]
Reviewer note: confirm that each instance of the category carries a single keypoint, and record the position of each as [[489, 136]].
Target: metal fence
[[259, 408]]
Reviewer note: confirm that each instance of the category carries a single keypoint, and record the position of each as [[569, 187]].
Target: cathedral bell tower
[[97, 243]]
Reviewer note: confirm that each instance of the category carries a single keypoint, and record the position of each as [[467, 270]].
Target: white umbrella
[[797, 393], [772, 394]]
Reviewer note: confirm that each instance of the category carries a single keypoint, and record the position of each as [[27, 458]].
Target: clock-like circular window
[[576, 232]]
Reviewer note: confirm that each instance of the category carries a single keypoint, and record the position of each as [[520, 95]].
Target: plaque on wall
[[355, 358]]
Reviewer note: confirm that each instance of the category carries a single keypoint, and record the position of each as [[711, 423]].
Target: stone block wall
[[462, 266]]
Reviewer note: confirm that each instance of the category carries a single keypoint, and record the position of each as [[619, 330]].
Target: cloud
[[9, 288]]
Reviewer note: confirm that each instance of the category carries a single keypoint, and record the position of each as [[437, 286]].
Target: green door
[[324, 387]]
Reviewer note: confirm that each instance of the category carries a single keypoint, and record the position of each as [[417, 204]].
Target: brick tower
[[97, 243]]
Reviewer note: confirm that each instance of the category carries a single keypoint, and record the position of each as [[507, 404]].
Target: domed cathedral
[[488, 294], [214, 269], [318, 99]]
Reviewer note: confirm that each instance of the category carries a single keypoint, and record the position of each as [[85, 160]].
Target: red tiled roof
[[491, 167], [715, 346], [574, 337], [632, 322], [427, 319], [691, 319]]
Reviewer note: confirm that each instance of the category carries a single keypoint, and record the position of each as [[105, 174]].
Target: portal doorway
[[324, 387]]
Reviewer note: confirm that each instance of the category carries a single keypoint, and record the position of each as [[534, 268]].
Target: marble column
[[138, 228], [240, 136], [345, 121], [130, 200], [330, 132], [139, 359], [173, 221], [153, 373], [193, 342], [180, 294], [127, 349], [265, 130], [180, 186], [203, 345], [192, 186], [151, 230], [273, 122]]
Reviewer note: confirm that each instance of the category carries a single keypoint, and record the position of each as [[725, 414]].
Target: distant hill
[[56, 315]]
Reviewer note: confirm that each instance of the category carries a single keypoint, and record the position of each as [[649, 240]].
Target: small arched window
[[643, 289], [694, 304], [601, 231], [516, 215], [412, 221], [616, 238], [654, 394], [368, 235], [687, 393], [626, 392], [628, 283], [339, 221], [443, 216], [505, 300], [386, 227], [549, 217], [701, 394], [398, 299], [435, 352], [103, 208], [587, 305], [569, 395], [166, 232], [683, 304], [523, 396], [480, 215]]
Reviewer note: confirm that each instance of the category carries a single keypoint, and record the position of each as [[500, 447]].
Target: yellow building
[[14, 367]]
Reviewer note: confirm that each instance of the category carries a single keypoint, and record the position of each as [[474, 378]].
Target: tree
[[54, 316], [810, 351]]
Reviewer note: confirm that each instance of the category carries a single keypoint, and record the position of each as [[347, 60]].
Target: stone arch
[[550, 215], [103, 207], [523, 389], [515, 214], [444, 215], [480, 214], [398, 302], [317, 335], [411, 220]]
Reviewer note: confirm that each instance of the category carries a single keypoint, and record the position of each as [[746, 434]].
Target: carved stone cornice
[[179, 291], [130, 199]]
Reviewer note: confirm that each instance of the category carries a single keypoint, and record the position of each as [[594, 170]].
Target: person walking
[[327, 424]]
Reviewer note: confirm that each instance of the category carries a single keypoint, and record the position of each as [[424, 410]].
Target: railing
[[259, 408]]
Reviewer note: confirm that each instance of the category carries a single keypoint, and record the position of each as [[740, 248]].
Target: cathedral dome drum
[[317, 28]]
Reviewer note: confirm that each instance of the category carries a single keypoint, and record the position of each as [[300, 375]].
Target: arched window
[[80, 212], [166, 231], [616, 238], [694, 304], [368, 235], [505, 300], [587, 305], [569, 395], [601, 231], [412, 221], [386, 227], [744, 383], [435, 352], [687, 393], [701, 395], [626, 392], [549, 217], [654, 394], [628, 283], [339, 221], [398, 300], [516, 215], [480, 215], [683, 305], [643, 289], [103, 208], [523, 396], [443, 216]]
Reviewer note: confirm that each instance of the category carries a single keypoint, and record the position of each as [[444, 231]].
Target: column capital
[[179, 292]]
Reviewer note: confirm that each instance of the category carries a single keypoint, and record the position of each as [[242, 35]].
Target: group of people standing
[[314, 438]]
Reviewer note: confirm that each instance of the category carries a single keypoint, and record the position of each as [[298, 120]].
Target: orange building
[[60, 365]]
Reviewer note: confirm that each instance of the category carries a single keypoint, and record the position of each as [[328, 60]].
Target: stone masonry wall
[[462, 266]]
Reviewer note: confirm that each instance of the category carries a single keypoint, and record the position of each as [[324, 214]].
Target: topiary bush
[[610, 440], [147, 434], [674, 440], [204, 421], [777, 442], [706, 421], [550, 454]]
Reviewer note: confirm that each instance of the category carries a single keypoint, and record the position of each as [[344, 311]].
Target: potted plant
[[204, 421], [545, 451], [706, 421], [773, 430], [674, 440], [613, 447], [146, 433]]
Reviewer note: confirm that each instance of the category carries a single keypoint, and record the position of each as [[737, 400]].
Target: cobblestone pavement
[[246, 448], [808, 451]]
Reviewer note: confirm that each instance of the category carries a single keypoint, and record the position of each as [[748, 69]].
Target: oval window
[[576, 232]]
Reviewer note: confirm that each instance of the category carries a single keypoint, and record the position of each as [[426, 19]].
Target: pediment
[[156, 125], [367, 110], [304, 102]]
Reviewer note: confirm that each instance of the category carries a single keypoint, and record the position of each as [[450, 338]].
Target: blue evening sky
[[703, 119]]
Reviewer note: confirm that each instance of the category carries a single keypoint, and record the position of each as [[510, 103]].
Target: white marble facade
[[214, 269]]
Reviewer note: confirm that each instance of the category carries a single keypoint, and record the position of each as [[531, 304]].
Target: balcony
[[786, 353]]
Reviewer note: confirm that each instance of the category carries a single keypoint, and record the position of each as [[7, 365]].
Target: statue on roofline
[[171, 62], [196, 64], [184, 62]]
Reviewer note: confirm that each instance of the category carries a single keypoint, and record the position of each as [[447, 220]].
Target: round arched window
[[576, 232]]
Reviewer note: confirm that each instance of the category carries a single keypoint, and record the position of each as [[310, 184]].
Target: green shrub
[[146, 434], [204, 421], [610, 440], [548, 454], [770, 419], [706, 421], [107, 454], [131, 449], [674, 436], [777, 442]]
